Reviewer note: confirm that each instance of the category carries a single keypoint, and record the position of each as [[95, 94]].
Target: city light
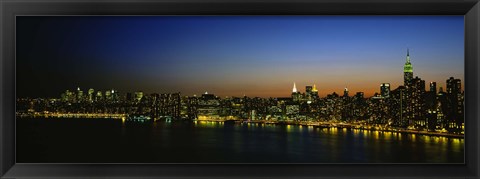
[[408, 108]]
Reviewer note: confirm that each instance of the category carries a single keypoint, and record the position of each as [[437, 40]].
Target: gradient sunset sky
[[233, 55]]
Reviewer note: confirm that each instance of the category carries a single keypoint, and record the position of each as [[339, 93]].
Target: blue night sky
[[233, 55]]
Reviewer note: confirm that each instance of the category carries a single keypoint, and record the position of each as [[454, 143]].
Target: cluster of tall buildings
[[408, 106], [430, 109]]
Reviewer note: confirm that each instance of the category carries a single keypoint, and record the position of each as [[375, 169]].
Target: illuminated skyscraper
[[315, 92], [385, 90], [295, 94], [408, 83], [345, 92]]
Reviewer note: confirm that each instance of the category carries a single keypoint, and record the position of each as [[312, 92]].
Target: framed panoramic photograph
[[191, 89], [240, 89]]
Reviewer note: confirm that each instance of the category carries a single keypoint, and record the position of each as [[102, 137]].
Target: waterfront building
[[455, 96], [431, 100], [443, 108], [208, 106], [192, 105], [398, 107], [431, 107], [169, 105], [417, 105], [292, 109]]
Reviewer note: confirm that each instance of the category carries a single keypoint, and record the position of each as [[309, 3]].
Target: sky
[[257, 56]]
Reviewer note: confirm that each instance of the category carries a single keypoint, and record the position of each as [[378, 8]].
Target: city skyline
[[295, 88], [193, 57]]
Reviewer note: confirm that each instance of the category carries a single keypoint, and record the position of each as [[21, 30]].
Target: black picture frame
[[10, 9]]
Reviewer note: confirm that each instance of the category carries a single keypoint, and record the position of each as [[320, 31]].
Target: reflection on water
[[223, 142]]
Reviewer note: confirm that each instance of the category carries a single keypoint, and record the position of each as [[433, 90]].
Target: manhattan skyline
[[234, 55]]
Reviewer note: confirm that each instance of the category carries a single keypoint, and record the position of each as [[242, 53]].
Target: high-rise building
[[296, 96], [90, 94], [455, 96], [408, 95], [315, 92], [308, 93], [115, 95], [69, 96], [407, 71], [360, 95], [431, 107], [433, 87], [345, 92], [99, 96], [308, 89], [108, 95], [398, 107], [169, 105], [417, 103], [138, 96], [385, 90], [79, 94], [208, 106], [443, 106], [311, 93]]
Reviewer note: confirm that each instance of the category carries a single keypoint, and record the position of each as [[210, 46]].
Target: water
[[112, 141]]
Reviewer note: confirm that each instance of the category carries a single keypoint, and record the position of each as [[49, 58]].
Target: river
[[58, 140]]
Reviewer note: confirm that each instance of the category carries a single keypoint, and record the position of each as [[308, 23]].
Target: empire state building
[[407, 72]]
